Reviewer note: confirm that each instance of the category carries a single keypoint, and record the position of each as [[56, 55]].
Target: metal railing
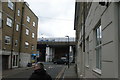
[[71, 39]]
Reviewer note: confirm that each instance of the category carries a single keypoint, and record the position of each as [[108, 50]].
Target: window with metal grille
[[7, 39]]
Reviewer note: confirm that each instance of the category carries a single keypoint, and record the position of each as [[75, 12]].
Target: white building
[[0, 40], [100, 56]]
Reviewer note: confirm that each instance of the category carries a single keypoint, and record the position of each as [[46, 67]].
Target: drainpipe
[[12, 39], [84, 39], [118, 39], [20, 35], [84, 28]]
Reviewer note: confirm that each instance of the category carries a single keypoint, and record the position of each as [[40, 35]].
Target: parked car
[[60, 61]]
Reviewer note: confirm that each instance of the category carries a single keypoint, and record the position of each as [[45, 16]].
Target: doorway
[[5, 59]]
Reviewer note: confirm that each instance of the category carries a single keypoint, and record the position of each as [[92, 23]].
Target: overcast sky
[[56, 17]]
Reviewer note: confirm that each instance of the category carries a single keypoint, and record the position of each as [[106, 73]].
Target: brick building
[[19, 34]]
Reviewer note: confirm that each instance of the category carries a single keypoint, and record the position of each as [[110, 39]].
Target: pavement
[[68, 73], [10, 72]]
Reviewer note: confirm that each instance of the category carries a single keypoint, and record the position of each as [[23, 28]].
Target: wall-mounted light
[[103, 3]]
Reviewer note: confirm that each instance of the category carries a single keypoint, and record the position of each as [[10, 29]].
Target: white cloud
[[56, 17]]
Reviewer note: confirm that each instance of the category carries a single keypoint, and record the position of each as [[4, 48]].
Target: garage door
[[5, 62]]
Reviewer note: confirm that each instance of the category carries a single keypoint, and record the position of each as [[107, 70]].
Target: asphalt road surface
[[54, 70]]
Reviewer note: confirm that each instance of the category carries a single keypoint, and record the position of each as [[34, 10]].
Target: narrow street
[[54, 70], [74, 39]]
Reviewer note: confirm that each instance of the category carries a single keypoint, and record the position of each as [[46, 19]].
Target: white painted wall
[[0, 67], [119, 42], [49, 54], [109, 22], [79, 60], [71, 53], [25, 58], [1, 41]]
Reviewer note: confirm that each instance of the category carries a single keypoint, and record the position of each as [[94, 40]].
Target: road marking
[[60, 74], [50, 67]]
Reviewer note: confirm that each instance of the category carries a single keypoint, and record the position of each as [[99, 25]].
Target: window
[[26, 44], [27, 32], [33, 35], [28, 19], [16, 42], [17, 27], [9, 22], [18, 12], [0, 19], [87, 53], [15, 60], [0, 15], [7, 39], [32, 47], [34, 24], [10, 4], [98, 31]]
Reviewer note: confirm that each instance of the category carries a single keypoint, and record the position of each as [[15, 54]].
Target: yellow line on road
[[60, 74]]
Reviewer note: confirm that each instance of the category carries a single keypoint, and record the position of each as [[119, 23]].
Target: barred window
[[16, 42], [7, 39]]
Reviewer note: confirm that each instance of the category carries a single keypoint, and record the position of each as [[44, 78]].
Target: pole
[[21, 31], [68, 50], [12, 39]]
